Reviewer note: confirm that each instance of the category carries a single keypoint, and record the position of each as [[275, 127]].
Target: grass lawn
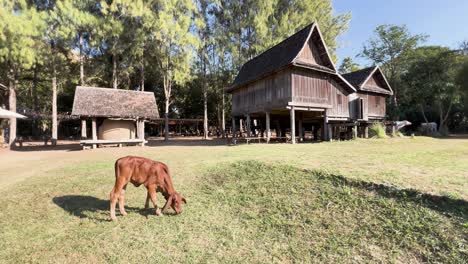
[[393, 200]]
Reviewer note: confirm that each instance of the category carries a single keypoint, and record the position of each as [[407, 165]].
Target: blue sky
[[445, 21]]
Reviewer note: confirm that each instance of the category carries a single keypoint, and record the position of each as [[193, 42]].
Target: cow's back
[[137, 170]]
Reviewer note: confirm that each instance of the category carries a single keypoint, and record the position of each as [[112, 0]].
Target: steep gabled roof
[[106, 102], [359, 79], [284, 54]]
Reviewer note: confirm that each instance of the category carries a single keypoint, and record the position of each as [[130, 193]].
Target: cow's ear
[[183, 200]]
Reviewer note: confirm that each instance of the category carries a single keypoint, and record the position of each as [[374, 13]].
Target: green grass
[[236, 212], [392, 200], [377, 131]]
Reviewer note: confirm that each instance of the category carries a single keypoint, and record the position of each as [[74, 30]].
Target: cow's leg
[[152, 194], [114, 195], [122, 201], [113, 201], [147, 200]]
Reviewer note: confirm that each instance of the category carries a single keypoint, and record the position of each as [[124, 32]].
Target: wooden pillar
[[267, 125], [233, 127], [315, 129], [325, 134], [366, 131], [293, 125], [330, 132], [142, 132], [94, 131], [393, 130], [248, 125], [301, 129], [355, 130], [241, 127], [83, 129]]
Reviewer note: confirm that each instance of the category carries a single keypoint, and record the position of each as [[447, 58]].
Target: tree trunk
[[142, 77], [443, 129], [54, 102], [35, 105], [82, 82], [114, 71], [205, 111], [167, 94], [54, 110], [166, 120], [34, 89], [12, 103], [223, 120], [423, 113]]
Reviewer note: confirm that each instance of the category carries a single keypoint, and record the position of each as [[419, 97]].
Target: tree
[[205, 36], [348, 65], [175, 43], [431, 79], [20, 27], [390, 48], [78, 17]]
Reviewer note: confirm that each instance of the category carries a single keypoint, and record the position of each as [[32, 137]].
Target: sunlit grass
[[236, 212]]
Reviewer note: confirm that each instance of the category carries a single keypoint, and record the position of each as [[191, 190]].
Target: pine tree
[[20, 28]]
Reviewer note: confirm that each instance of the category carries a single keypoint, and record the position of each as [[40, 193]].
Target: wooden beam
[[267, 121], [324, 127], [248, 125], [83, 129], [301, 129], [366, 131], [355, 130], [94, 131], [233, 127], [293, 125]]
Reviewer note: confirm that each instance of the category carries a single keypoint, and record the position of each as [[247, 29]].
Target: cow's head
[[175, 201]]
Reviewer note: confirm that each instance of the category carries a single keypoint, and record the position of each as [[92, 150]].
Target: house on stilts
[[294, 86], [367, 105]]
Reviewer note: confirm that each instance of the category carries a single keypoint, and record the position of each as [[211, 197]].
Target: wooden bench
[[248, 139], [93, 143]]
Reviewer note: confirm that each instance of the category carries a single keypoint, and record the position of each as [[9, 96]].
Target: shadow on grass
[[82, 205], [450, 207]]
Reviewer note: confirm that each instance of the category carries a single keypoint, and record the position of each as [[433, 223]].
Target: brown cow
[[153, 175]]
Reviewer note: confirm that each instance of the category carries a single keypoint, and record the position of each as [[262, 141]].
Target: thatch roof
[[284, 54], [359, 80], [106, 102]]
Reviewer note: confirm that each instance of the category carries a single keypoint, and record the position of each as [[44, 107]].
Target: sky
[[445, 21]]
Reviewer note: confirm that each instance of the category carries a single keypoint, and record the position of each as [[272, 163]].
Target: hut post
[[325, 126], [83, 129], [267, 125], [293, 125], [301, 129], [366, 131], [94, 131], [355, 131], [141, 130], [248, 125], [233, 127], [330, 132]]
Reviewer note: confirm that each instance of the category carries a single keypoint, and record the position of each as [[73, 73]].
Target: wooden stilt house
[[293, 86], [117, 116], [368, 104]]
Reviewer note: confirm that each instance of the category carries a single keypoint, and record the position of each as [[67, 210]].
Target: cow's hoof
[[158, 212], [114, 218], [124, 213]]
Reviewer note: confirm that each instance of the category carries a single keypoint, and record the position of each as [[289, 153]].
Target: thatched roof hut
[[130, 108], [114, 103]]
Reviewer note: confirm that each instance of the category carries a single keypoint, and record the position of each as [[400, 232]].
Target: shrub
[[378, 131]]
